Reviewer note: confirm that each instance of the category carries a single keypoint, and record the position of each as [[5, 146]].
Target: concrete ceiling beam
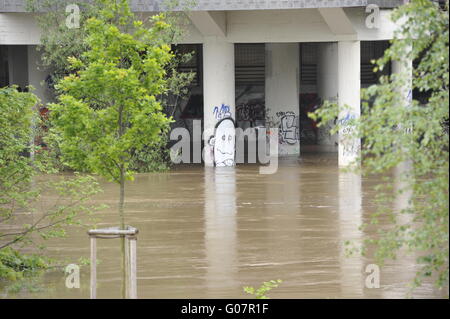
[[210, 23]]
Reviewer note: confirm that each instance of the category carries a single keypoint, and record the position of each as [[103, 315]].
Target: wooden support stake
[[127, 267], [133, 271], [93, 267], [130, 257]]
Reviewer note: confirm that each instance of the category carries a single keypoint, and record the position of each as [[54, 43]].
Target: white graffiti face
[[224, 143]]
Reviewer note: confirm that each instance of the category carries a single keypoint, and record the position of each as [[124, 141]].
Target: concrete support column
[[327, 87], [404, 69], [36, 75], [282, 94], [349, 87], [218, 86]]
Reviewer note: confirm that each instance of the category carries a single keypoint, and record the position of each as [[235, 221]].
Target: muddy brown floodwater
[[206, 233]]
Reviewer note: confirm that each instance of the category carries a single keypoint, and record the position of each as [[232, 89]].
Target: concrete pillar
[[327, 70], [327, 88], [282, 94], [404, 69], [218, 86], [37, 75], [402, 180], [349, 87]]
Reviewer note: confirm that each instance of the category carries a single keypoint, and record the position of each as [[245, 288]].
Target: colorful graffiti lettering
[[222, 112], [346, 124]]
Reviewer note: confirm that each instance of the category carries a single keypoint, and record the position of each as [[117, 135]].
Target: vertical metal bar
[[93, 267], [133, 271]]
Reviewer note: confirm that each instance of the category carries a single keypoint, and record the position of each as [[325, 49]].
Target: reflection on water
[[350, 218], [220, 230], [401, 203], [206, 233]]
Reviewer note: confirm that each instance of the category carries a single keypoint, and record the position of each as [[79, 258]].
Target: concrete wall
[[302, 25], [22, 29], [18, 29]]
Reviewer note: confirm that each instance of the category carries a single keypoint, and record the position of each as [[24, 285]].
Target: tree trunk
[[122, 226], [121, 206], [122, 198]]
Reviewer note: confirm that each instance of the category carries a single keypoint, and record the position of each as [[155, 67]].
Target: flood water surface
[[206, 233]]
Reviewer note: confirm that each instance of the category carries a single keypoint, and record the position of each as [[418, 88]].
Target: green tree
[[397, 130], [108, 109], [23, 181], [58, 42]]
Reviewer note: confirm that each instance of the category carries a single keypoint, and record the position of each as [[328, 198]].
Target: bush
[[14, 265]]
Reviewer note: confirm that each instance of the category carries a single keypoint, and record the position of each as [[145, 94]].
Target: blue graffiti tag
[[222, 112]]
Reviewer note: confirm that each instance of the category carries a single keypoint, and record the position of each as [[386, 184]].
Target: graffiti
[[227, 142], [289, 128], [222, 112], [224, 143], [346, 123], [346, 119], [351, 145], [250, 112], [350, 148]]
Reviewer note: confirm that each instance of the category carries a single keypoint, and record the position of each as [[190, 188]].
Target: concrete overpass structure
[[282, 34]]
